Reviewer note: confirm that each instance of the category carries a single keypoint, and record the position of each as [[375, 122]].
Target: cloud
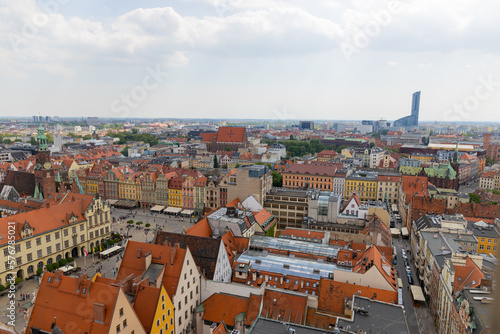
[[392, 63]]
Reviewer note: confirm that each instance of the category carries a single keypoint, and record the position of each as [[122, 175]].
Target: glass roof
[[295, 246], [287, 265]]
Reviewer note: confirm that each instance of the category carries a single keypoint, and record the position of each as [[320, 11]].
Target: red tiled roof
[[231, 134], [303, 233], [469, 276], [253, 309], [208, 136], [201, 229], [145, 303], [221, 307], [64, 301], [279, 305], [311, 169], [332, 295]]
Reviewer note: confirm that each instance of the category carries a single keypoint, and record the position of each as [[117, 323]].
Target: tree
[[135, 131], [291, 137], [125, 151], [425, 141], [475, 198], [340, 148], [216, 162], [7, 141], [277, 179], [33, 141], [372, 145], [87, 137], [228, 149], [147, 225], [50, 138]]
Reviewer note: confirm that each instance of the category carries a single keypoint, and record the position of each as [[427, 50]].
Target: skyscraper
[[411, 120]]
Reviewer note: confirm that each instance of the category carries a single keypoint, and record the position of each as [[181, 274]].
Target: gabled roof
[[221, 307], [285, 306], [379, 261], [468, 276], [204, 250], [333, 293], [231, 134], [63, 299], [145, 303], [133, 264], [253, 309], [201, 229], [354, 197]]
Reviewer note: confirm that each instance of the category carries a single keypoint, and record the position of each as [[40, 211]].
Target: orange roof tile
[[469, 276], [221, 307], [253, 309], [280, 305], [201, 229], [333, 293], [63, 300], [231, 134], [145, 303], [303, 233]]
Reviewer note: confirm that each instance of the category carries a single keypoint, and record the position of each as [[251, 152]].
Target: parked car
[[410, 278], [403, 251], [408, 269]]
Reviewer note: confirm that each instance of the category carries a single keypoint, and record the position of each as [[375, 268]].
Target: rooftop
[[288, 265], [298, 246]]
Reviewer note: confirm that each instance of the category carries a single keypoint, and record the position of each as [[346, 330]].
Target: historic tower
[[44, 173]]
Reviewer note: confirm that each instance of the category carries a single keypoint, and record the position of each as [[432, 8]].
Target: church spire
[[42, 139]]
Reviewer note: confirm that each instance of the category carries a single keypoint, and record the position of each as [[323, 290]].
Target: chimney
[[99, 313], [172, 255], [177, 245], [139, 254]]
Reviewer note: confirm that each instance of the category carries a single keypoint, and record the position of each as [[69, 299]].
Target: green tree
[[50, 138], [475, 198], [87, 137], [7, 141], [291, 137], [372, 145], [216, 162], [134, 131], [125, 151], [340, 148], [33, 141], [277, 179]]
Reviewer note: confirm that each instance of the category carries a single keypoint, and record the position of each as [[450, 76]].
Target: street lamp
[[146, 233]]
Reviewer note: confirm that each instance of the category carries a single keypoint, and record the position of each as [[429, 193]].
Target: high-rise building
[[306, 125], [411, 120], [93, 121]]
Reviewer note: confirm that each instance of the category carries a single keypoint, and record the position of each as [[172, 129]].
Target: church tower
[[44, 172]]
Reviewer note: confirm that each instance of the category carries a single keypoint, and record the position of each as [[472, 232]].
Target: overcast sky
[[294, 59]]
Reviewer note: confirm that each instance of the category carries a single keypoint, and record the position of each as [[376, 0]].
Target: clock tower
[[44, 173]]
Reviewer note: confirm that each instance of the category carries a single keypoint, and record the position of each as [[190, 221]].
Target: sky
[[263, 59]]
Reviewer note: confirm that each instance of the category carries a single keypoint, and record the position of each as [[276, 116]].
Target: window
[[163, 298], [38, 241], [28, 244], [58, 246], [185, 276], [488, 248], [18, 248], [66, 232], [186, 315], [30, 257], [57, 235], [66, 244], [91, 235], [49, 250], [481, 247], [182, 289], [194, 280], [121, 311], [185, 299], [168, 312], [81, 227], [180, 321], [489, 241], [158, 323], [82, 238], [124, 323], [47, 238], [191, 293], [196, 289], [179, 306], [39, 253], [118, 328]]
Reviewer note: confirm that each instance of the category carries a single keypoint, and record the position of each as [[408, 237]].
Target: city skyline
[[265, 60]]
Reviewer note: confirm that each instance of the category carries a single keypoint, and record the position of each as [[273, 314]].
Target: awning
[[157, 208], [417, 293], [395, 231], [404, 231], [112, 201], [394, 208], [187, 212], [171, 209]]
